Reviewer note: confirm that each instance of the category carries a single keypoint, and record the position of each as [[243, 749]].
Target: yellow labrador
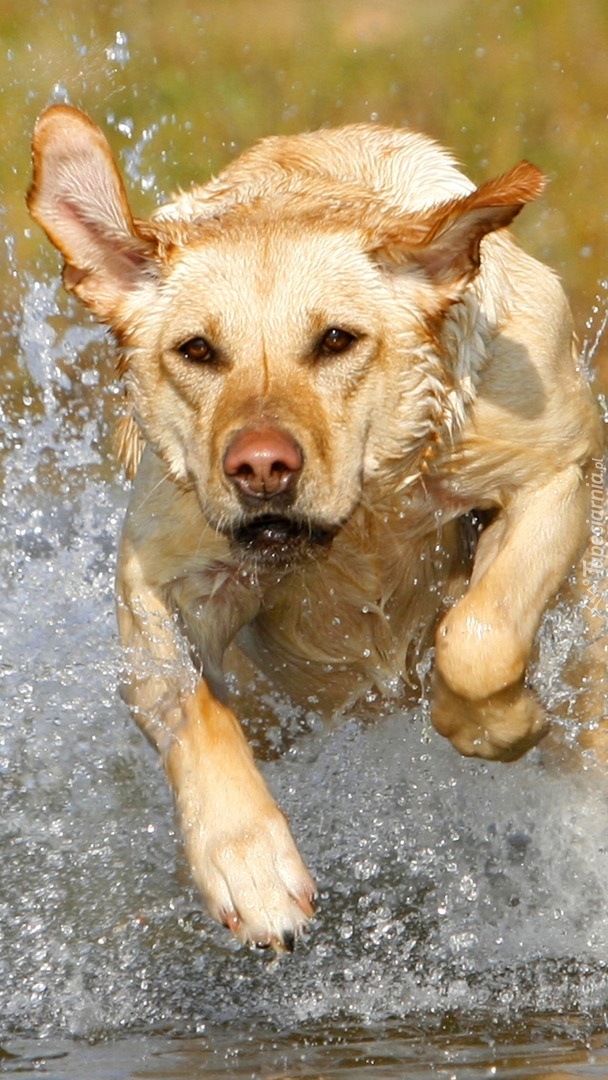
[[361, 424]]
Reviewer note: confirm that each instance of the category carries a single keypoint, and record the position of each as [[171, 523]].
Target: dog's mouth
[[278, 541]]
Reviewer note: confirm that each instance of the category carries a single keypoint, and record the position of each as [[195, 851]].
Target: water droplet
[[118, 52]]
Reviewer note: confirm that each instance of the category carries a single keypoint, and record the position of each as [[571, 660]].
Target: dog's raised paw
[[500, 728]]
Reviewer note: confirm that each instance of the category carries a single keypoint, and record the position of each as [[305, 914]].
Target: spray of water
[[445, 884]]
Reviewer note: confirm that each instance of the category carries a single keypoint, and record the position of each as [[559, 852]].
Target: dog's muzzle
[[263, 464]]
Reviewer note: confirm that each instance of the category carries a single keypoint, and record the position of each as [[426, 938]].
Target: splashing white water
[[446, 884]]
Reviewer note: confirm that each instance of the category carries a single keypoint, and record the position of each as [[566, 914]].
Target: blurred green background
[[182, 87]]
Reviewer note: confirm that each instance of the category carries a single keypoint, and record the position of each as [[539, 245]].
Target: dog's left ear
[[78, 198], [445, 241]]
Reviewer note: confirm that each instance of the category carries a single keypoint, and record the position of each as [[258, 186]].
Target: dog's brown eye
[[197, 350], [334, 341]]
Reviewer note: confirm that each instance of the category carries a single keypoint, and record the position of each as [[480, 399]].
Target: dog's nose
[[263, 462]]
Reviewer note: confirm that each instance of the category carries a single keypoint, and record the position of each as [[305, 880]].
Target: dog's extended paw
[[253, 880], [238, 843], [500, 728]]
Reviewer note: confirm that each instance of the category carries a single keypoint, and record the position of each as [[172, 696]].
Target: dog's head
[[282, 349]]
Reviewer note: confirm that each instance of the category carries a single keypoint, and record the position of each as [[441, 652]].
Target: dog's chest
[[357, 619]]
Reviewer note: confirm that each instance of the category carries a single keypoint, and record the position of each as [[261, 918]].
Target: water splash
[[118, 52], [445, 884], [596, 327]]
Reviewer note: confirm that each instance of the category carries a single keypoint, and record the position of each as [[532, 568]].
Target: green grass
[[497, 81]]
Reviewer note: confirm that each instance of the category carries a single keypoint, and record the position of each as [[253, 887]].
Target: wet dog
[[359, 427]]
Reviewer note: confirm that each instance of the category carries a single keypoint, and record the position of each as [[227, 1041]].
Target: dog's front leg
[[238, 843], [239, 847], [484, 642]]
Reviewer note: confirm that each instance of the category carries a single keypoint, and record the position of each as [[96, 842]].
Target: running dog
[[358, 428]]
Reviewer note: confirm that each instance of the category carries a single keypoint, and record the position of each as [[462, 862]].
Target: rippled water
[[459, 899]]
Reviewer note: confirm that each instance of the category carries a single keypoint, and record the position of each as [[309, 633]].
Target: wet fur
[[459, 401]]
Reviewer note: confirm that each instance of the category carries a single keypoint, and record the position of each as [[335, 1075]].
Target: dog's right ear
[[78, 198], [445, 240]]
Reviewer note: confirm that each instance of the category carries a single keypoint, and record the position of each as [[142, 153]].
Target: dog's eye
[[197, 350], [335, 341]]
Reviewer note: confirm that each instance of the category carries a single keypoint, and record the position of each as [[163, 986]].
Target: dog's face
[[266, 366], [279, 358]]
